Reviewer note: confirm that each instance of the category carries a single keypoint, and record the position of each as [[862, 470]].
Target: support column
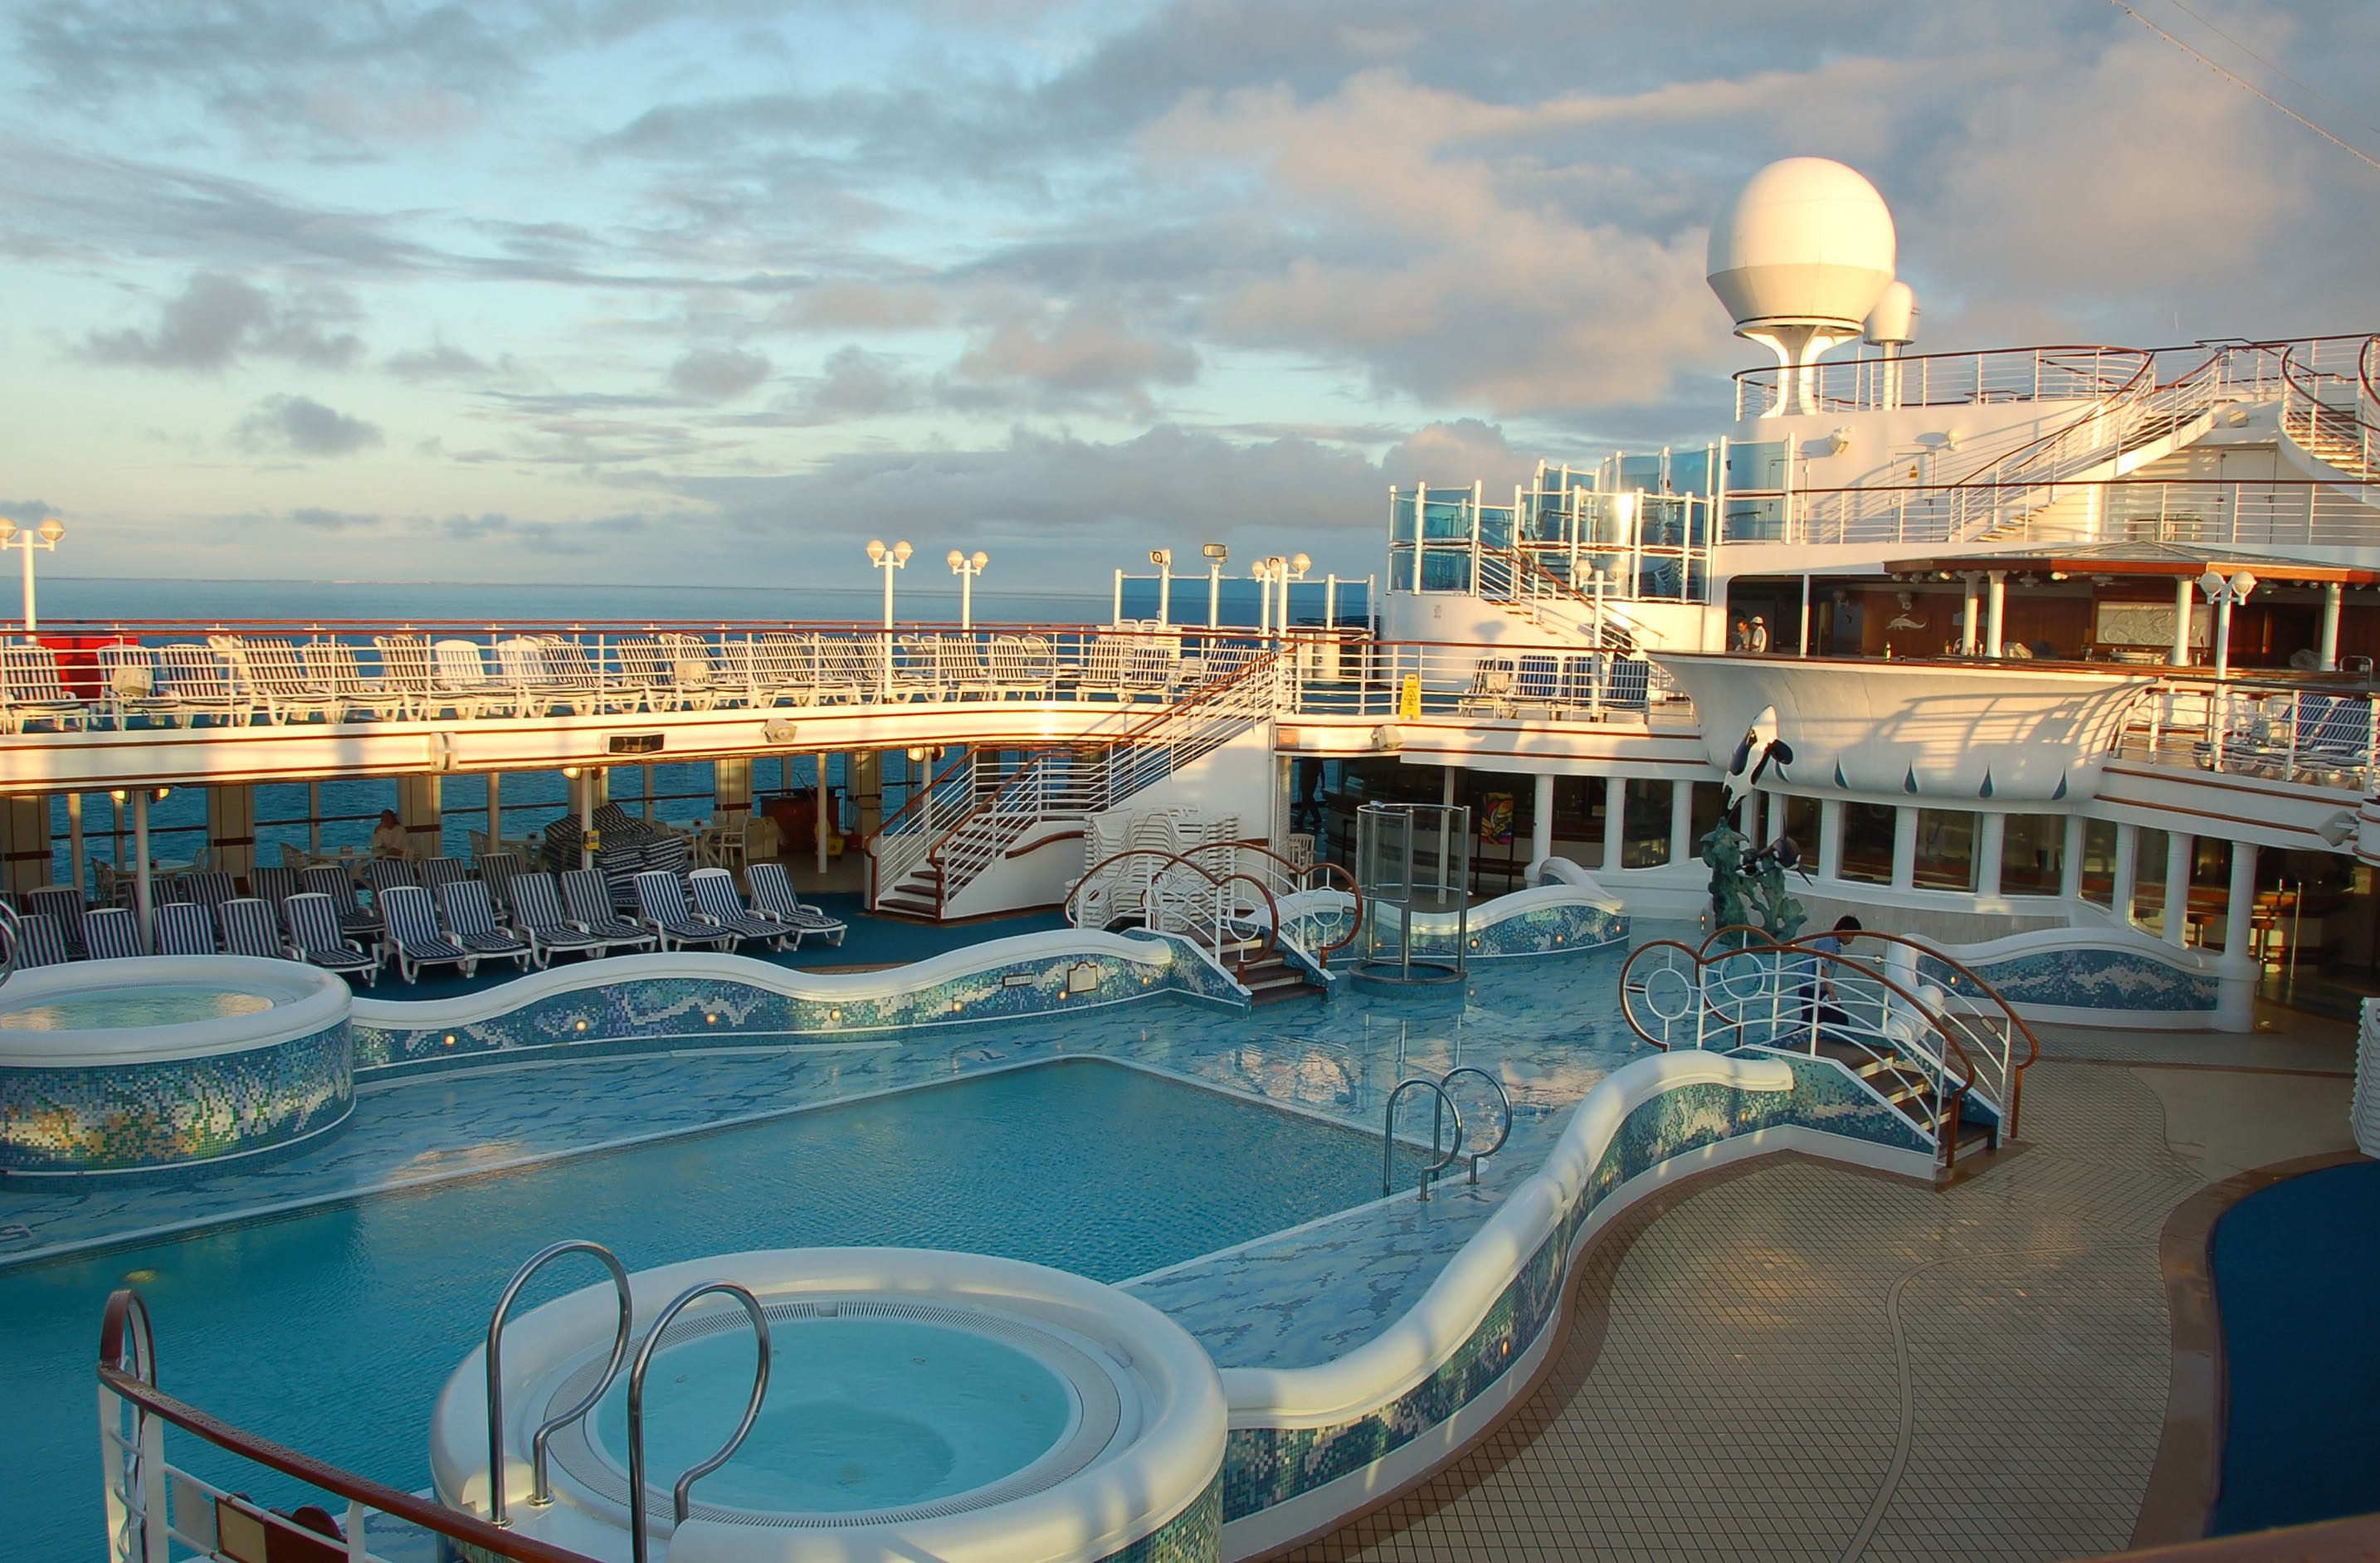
[[2238, 972], [2069, 865], [231, 829], [1831, 838], [1541, 821], [1904, 847], [731, 792], [1969, 630], [867, 774], [77, 858], [1445, 845], [495, 811], [1991, 848], [419, 803], [1997, 611], [2128, 857], [582, 803], [2328, 647], [2180, 850], [1681, 822], [1615, 806], [2182, 602], [144, 882], [825, 802]]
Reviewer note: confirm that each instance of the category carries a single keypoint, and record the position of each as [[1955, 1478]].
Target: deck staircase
[[2333, 417], [991, 804], [1921, 1033], [1536, 591]]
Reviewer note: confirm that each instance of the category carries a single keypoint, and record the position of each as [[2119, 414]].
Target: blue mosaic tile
[[2092, 977], [174, 1113], [1195, 1535]]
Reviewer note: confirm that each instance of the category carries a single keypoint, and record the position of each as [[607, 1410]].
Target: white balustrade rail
[[2022, 374], [1560, 683], [2333, 414], [2282, 731]]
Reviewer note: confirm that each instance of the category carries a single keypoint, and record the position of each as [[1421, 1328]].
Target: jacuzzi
[[920, 1404], [168, 1061]]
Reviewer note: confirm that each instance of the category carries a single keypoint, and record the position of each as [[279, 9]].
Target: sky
[[709, 292]]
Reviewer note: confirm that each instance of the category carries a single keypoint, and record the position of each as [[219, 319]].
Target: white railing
[[1560, 683], [2231, 513], [2333, 414], [2022, 374], [1522, 579], [2283, 733]]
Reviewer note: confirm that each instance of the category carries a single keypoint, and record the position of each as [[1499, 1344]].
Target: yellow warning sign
[[1409, 698]]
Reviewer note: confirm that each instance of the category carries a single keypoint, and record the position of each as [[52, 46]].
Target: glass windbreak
[[1867, 842], [2099, 861], [1946, 849], [1753, 468], [1689, 471], [1443, 519], [2032, 854], [1645, 825]]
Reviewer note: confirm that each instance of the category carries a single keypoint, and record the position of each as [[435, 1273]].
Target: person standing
[[1759, 635]]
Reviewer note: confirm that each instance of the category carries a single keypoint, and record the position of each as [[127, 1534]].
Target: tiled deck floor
[[1802, 1361]]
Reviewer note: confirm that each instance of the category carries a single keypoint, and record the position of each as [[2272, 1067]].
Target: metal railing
[[539, 1491], [1442, 1109], [682, 1493], [156, 1509], [1503, 1112], [2331, 415], [2230, 514], [2020, 374], [1245, 886], [2295, 731], [1563, 684]]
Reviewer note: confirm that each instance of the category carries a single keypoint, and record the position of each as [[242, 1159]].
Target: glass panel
[[1579, 807], [1448, 518], [1801, 827], [1709, 802], [2148, 882], [2099, 861], [1446, 569], [1643, 472], [1645, 825], [1689, 471], [1946, 849], [1401, 569], [1496, 525], [2032, 854], [1867, 842]]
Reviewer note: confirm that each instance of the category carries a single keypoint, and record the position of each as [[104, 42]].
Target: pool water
[[331, 1329], [117, 1008], [861, 1414]]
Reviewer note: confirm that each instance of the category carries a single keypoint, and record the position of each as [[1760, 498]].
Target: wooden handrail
[[124, 1304], [1322, 954], [1180, 859]]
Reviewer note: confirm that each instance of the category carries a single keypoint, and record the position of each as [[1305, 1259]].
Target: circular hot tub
[[167, 1062], [919, 1404]]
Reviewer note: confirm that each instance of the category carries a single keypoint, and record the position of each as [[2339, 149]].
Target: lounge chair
[[847, 669], [715, 898], [272, 887], [251, 926], [110, 933], [271, 678], [317, 939], [696, 673], [772, 892], [660, 902], [576, 677], [588, 898], [413, 937], [195, 682], [497, 871], [406, 675], [539, 917], [40, 942], [332, 665], [1491, 687], [128, 673], [31, 690], [356, 920], [521, 664], [471, 923], [438, 871], [62, 905], [185, 928], [458, 677], [384, 874], [208, 887]]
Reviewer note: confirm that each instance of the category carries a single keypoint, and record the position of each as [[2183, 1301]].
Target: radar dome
[[1807, 242], [1893, 322]]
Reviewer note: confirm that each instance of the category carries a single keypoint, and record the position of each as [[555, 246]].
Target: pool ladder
[[541, 1489], [1442, 1107]]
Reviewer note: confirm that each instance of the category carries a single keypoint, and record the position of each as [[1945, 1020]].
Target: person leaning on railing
[[1819, 1006]]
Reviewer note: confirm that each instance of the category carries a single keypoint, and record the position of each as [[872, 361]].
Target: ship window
[[2032, 854], [1946, 849], [1867, 842]]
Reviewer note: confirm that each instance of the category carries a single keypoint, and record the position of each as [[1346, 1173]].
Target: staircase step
[[909, 907]]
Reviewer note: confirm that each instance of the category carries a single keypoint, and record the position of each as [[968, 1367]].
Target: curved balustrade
[[2339, 436]]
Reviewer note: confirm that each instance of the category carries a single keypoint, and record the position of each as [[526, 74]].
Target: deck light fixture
[[45, 536], [889, 560], [1216, 553], [967, 567]]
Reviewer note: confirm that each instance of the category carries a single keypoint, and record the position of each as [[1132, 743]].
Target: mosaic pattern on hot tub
[[2089, 977], [1195, 1535], [177, 1112], [1537, 931], [1265, 1466], [723, 1009]]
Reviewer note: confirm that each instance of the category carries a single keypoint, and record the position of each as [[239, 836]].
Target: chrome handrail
[[539, 1492], [1445, 1108], [1503, 1108], [678, 1494]]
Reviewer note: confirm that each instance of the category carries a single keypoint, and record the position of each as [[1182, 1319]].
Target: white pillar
[[1115, 615], [1805, 614], [1681, 822], [2070, 866], [1615, 804], [1991, 849], [1214, 595], [2182, 602], [1541, 833], [1445, 825], [144, 887], [74, 853], [2237, 971], [2178, 856], [1904, 847], [1999, 615], [2128, 858], [1831, 838], [495, 811], [2329, 650], [824, 798], [1164, 596], [1969, 629]]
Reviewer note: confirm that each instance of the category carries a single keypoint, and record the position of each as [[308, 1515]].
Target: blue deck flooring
[[2297, 1270]]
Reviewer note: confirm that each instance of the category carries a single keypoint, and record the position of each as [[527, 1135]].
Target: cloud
[[439, 361], [218, 319], [861, 306], [1084, 355], [301, 426], [322, 520], [718, 374], [1464, 452]]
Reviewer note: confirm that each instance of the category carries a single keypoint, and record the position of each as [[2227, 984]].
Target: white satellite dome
[[1806, 242], [1893, 322]]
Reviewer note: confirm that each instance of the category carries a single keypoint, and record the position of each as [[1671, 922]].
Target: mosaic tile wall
[[1265, 1466], [174, 1113], [1195, 1535], [724, 1009], [1193, 974], [2089, 977]]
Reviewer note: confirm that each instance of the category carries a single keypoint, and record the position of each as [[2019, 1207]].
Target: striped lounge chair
[[772, 892], [715, 898], [588, 897], [251, 926], [40, 942], [110, 933], [185, 928], [538, 914], [330, 883], [317, 937], [661, 905], [414, 940], [471, 923]]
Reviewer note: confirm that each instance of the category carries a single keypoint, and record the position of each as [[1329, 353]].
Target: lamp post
[[2224, 592], [1216, 554], [1273, 571], [888, 560], [967, 567], [1163, 559], [45, 536]]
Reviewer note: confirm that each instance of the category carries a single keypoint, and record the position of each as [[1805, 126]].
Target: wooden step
[[894, 903]]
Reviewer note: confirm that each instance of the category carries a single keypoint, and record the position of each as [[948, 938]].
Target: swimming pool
[[1097, 1168], [146, 1004]]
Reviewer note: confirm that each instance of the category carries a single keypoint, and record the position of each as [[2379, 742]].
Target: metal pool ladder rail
[[1441, 1110], [678, 1494], [539, 1492], [1503, 1112]]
